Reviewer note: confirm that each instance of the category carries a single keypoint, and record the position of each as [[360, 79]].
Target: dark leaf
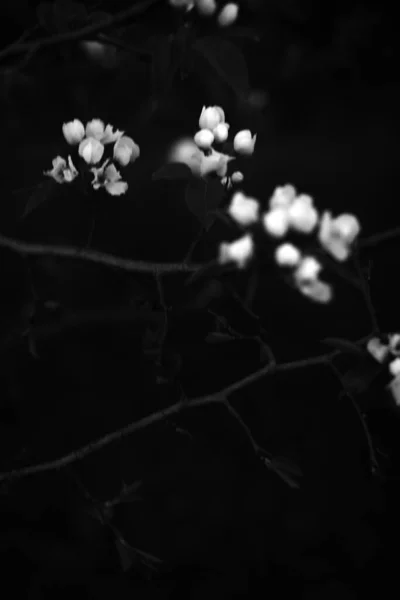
[[44, 14], [41, 194], [287, 470], [202, 198], [161, 64], [227, 60]]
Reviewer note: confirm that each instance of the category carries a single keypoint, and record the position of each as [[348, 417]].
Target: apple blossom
[[308, 269], [211, 117], [60, 172], [282, 197], [378, 350], [302, 215], [91, 150], [237, 176], [276, 222], [287, 255], [108, 177], [206, 8], [394, 367], [126, 151], [216, 162], [243, 210], [221, 132], [239, 251], [394, 343], [228, 14], [73, 131], [317, 290], [204, 139], [243, 143], [336, 235]]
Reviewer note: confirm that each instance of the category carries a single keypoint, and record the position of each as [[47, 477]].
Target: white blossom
[[204, 139], [210, 117], [228, 14], [243, 210], [108, 177], [243, 142], [126, 151], [239, 251], [303, 216], [73, 131], [91, 150], [61, 173], [221, 132], [276, 222], [287, 255]]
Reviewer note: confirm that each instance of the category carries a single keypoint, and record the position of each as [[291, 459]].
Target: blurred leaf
[[227, 60], [161, 64], [41, 194], [172, 171], [345, 346], [202, 198]]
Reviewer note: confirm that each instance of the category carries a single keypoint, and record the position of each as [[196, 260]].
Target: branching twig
[[71, 36], [108, 260]]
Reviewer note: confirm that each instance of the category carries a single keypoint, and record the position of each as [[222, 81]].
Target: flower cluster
[[92, 140], [199, 155], [207, 8], [289, 211]]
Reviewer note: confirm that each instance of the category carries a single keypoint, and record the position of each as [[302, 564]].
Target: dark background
[[221, 523]]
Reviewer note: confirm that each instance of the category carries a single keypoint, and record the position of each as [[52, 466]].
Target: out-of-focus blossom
[[317, 290], [216, 162], [243, 142], [394, 344], [228, 14], [187, 152], [221, 132], [210, 117], [108, 177], [337, 235], [188, 4], [204, 139], [73, 131], [302, 215], [206, 8], [282, 197], [126, 151], [237, 176], [62, 173], [239, 251], [243, 210], [91, 150], [308, 269], [287, 255], [378, 350], [394, 367], [276, 222]]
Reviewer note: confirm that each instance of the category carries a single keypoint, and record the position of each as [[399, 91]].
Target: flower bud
[[287, 255], [308, 269], [228, 15], [239, 251], [95, 129], [73, 131], [237, 176], [317, 290], [282, 197], [91, 150], [204, 139], [276, 222], [378, 350], [206, 8], [243, 143], [211, 117], [221, 132], [243, 210], [303, 216]]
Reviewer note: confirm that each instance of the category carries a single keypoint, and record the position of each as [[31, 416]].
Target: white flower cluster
[[91, 140], [207, 8], [289, 211]]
